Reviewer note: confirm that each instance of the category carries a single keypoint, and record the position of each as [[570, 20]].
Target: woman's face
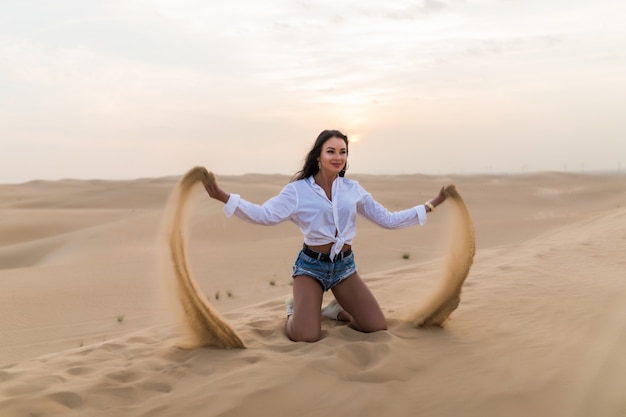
[[333, 156]]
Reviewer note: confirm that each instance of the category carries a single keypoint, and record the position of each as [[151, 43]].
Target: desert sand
[[86, 328]]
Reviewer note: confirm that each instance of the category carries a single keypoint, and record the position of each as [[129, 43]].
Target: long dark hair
[[311, 166]]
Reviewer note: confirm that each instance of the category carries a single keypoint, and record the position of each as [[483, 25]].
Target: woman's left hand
[[440, 198], [442, 195]]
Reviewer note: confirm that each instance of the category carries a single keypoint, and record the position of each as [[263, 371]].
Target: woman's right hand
[[211, 187]]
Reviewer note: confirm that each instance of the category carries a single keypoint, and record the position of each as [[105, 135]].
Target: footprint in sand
[[68, 399]]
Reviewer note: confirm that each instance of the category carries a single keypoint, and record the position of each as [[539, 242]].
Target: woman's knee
[[301, 333], [373, 325], [309, 336]]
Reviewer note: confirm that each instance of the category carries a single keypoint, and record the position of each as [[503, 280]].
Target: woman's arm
[[377, 213], [273, 211]]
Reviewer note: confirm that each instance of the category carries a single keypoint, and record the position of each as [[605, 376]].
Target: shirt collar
[[312, 179]]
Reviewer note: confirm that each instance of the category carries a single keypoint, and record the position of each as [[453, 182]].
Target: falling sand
[[458, 261], [205, 326]]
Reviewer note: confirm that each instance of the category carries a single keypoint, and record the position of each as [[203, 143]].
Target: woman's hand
[[440, 198], [211, 187]]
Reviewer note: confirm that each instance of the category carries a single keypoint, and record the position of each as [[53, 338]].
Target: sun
[[354, 138]]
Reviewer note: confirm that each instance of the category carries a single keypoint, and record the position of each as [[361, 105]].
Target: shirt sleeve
[[275, 210], [377, 213]]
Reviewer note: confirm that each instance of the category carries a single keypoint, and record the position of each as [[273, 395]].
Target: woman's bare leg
[[358, 301], [305, 325]]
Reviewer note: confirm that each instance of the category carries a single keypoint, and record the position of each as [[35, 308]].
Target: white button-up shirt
[[321, 220]]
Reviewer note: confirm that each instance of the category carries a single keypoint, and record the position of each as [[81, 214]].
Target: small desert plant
[[120, 318], [229, 294], [217, 295], [272, 283], [406, 255]]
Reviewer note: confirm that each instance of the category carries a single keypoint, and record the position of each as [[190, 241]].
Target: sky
[[122, 89]]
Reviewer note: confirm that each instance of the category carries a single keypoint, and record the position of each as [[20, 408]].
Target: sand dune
[[539, 331]]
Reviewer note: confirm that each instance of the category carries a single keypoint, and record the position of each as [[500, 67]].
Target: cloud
[[426, 7], [480, 48]]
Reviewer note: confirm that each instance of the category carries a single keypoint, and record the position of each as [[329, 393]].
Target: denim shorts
[[328, 274]]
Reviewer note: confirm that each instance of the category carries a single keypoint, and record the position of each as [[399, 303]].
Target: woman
[[324, 205]]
